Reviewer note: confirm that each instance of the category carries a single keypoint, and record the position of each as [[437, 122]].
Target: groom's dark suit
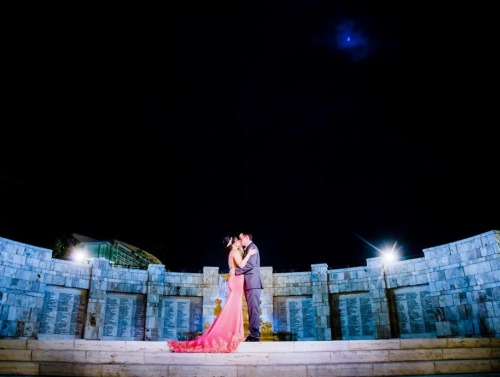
[[253, 288]]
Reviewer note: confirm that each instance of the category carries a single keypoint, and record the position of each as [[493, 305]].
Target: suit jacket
[[251, 271]]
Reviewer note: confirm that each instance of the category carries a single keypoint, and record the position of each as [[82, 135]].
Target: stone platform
[[390, 357]]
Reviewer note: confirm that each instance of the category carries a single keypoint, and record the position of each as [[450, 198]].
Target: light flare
[[389, 254], [79, 254]]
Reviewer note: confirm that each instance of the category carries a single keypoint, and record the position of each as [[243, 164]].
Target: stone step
[[389, 357]]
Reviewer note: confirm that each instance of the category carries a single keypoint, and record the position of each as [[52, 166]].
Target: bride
[[226, 332]]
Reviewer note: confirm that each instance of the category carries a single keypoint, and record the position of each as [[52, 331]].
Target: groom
[[252, 286]]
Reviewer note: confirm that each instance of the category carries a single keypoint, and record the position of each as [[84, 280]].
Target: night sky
[[327, 129]]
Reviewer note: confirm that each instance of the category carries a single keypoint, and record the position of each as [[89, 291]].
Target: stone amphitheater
[[435, 315]]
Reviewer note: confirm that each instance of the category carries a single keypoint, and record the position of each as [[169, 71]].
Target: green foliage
[[62, 246]]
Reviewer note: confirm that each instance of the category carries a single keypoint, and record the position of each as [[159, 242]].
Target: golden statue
[[217, 308]]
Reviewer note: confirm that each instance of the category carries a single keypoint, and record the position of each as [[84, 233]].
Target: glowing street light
[[389, 255], [79, 254]]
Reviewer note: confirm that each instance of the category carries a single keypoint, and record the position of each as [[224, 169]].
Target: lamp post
[[388, 257]]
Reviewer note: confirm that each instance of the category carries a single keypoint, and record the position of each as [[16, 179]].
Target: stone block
[[466, 353], [462, 366], [240, 359], [13, 344], [9, 368], [416, 354], [135, 346], [59, 356], [495, 365], [266, 347], [312, 346], [381, 344], [360, 356], [100, 345], [53, 344], [135, 370], [114, 357], [423, 343], [202, 371], [277, 358], [495, 342], [273, 370], [70, 369], [171, 358], [15, 355], [403, 368], [347, 370], [468, 342]]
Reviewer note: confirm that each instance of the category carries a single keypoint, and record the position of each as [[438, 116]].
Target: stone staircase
[[389, 357]]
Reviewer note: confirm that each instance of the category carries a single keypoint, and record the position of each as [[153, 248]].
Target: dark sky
[[325, 128]]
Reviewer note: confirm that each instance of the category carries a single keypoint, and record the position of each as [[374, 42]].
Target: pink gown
[[226, 332]]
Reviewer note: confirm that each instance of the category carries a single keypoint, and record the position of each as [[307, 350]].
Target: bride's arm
[[241, 262]]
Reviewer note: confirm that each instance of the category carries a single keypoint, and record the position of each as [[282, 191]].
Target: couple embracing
[[226, 332]]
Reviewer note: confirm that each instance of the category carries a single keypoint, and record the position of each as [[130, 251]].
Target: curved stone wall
[[453, 291]]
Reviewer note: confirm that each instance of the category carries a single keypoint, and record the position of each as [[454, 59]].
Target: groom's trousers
[[253, 303]]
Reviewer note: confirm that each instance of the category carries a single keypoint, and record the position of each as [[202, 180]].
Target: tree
[[63, 244]]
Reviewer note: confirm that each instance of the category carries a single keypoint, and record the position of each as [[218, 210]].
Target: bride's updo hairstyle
[[227, 242]]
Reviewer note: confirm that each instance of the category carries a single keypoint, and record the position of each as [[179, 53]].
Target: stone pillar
[[96, 308], [379, 293], [210, 294], [155, 290], [320, 296], [266, 304]]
